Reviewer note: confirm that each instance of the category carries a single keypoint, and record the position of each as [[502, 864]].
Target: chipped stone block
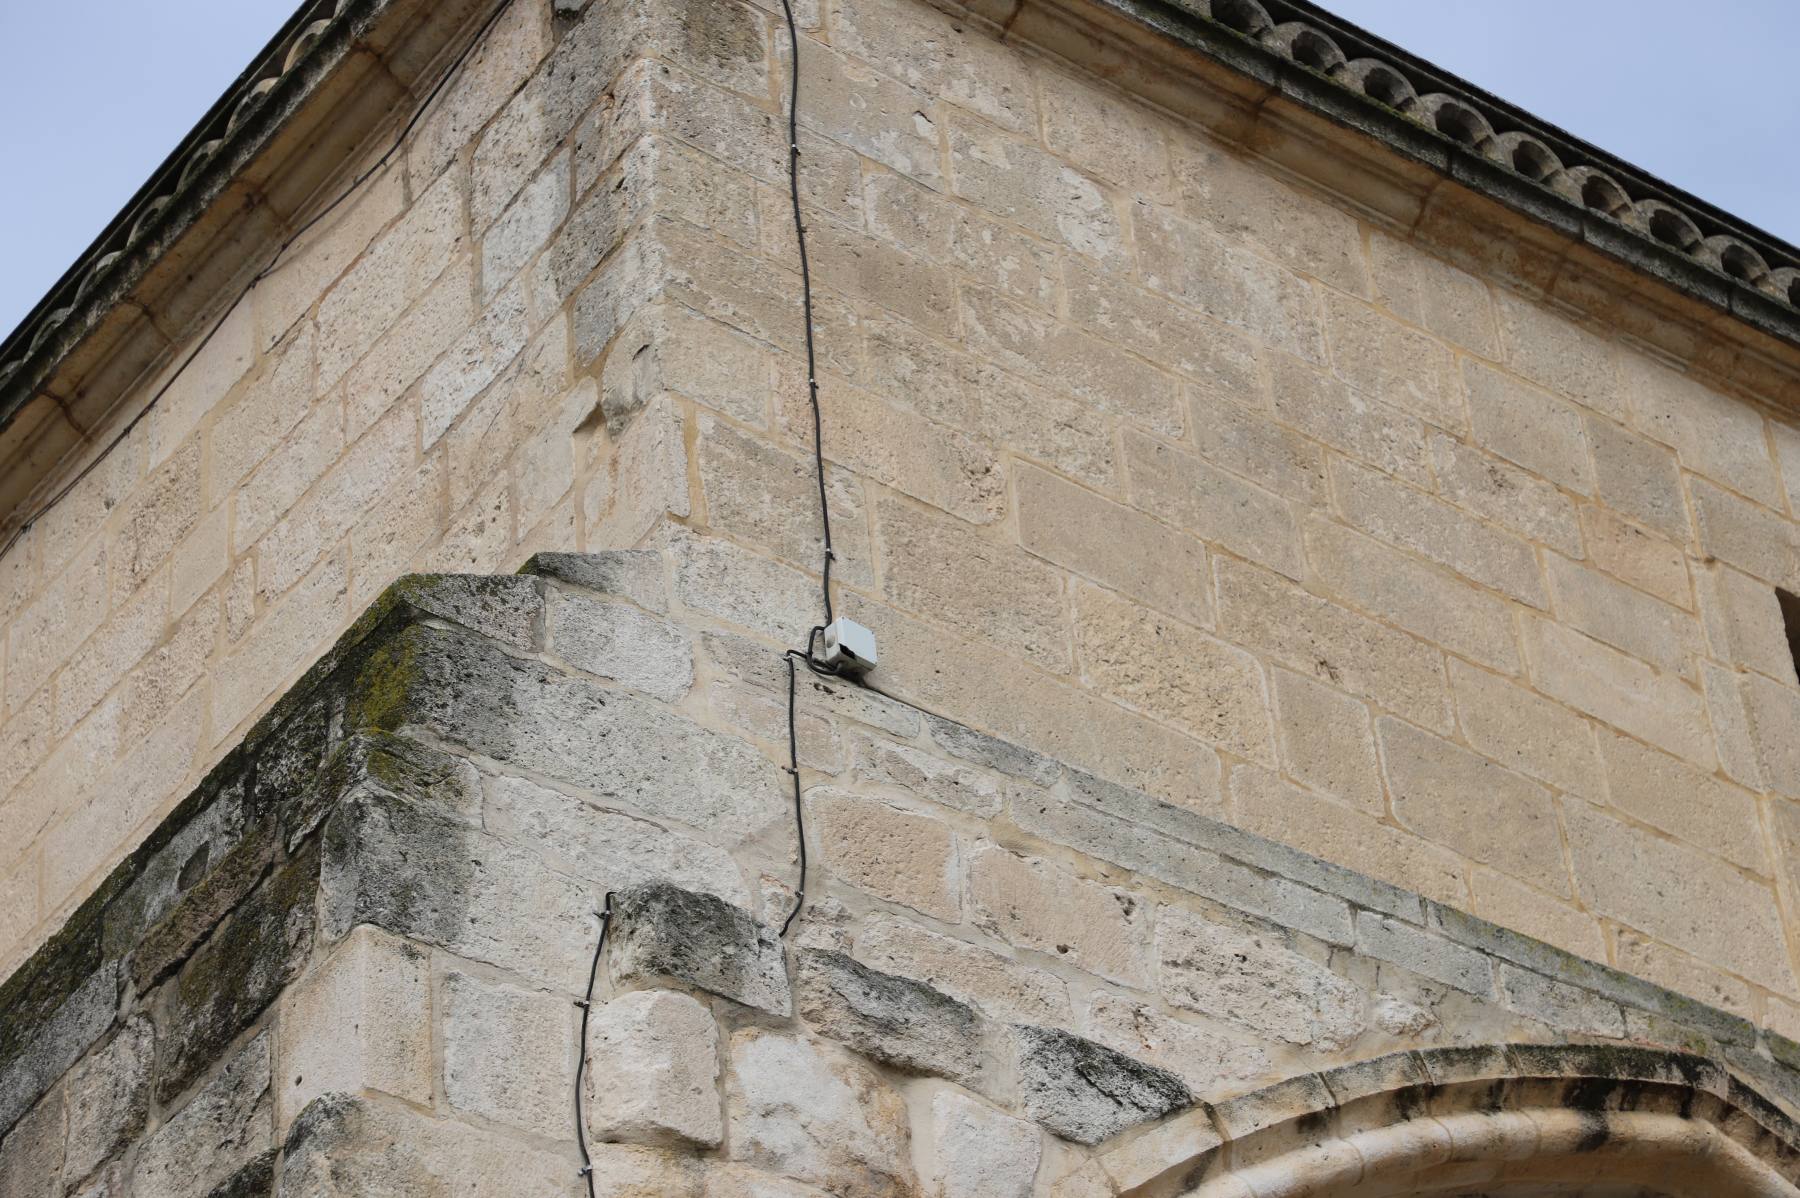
[[1088, 1093], [661, 933], [238, 973], [817, 1115], [653, 1071], [978, 1152], [224, 886], [396, 767], [894, 1020], [175, 868]]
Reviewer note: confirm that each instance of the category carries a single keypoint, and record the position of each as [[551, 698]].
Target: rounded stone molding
[[1300, 42], [1381, 83], [1499, 1121], [1530, 157]]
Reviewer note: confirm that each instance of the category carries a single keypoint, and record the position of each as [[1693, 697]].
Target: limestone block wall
[[351, 961], [1144, 456], [400, 391], [1184, 472]]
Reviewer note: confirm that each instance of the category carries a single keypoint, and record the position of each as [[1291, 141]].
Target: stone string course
[[349, 959], [1204, 505]]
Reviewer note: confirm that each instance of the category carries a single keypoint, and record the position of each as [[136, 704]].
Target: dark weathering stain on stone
[[897, 1021], [239, 971], [699, 940], [1086, 1092]]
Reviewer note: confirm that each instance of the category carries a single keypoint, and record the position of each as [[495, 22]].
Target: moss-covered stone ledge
[[190, 939]]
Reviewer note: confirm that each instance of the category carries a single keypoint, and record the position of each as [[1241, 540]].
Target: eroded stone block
[[662, 933], [894, 1020], [1088, 1093]]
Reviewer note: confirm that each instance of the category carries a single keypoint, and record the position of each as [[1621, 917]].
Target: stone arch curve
[[1511, 1121]]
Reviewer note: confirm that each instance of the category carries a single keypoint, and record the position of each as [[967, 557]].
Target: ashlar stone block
[[653, 1071], [1256, 982], [995, 983], [359, 1021], [509, 1053], [978, 1152], [816, 1115], [1039, 905], [1327, 741], [1452, 796], [1211, 1062]]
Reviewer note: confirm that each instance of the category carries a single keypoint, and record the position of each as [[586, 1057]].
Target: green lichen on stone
[[227, 983], [201, 908], [378, 694]]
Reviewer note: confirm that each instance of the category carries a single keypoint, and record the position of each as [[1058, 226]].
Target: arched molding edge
[[1446, 1119]]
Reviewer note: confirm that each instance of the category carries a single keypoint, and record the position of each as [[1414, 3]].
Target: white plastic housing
[[849, 646]]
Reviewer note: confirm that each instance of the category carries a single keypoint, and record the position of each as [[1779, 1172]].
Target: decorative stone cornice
[[212, 215], [1300, 51], [159, 201], [1495, 149]]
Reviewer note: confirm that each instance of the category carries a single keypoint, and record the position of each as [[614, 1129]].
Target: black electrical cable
[[793, 770], [806, 300], [581, 1054], [450, 73], [809, 656]]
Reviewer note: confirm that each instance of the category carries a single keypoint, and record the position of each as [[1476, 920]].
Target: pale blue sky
[[96, 94]]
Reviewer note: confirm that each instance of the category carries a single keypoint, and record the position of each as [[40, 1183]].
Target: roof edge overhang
[[239, 186], [1421, 150], [1429, 154]]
